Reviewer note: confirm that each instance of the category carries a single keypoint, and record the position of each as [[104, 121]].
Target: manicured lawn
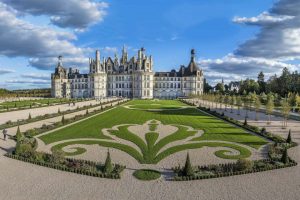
[[146, 174], [155, 104], [214, 129]]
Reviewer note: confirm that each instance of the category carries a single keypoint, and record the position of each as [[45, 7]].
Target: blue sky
[[233, 39]]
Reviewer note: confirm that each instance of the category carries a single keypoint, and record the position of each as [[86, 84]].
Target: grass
[[150, 151], [146, 174], [154, 104]]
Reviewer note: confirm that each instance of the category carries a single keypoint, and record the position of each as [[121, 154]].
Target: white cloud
[[263, 19], [46, 63], [5, 71], [77, 14], [41, 44], [279, 37], [35, 82], [108, 49], [36, 76], [234, 68]]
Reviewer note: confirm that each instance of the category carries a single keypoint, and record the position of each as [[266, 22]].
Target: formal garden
[[147, 134]]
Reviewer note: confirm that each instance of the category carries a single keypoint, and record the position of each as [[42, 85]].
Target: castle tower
[[59, 81], [124, 57], [98, 61], [98, 78]]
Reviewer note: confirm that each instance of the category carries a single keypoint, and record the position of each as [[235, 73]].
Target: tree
[[220, 87], [19, 135], [298, 102], [29, 116], [292, 99], [245, 122], [285, 111], [63, 121], [261, 82], [269, 108], [188, 169], [226, 101], [221, 99], [285, 157], [232, 102], [257, 107], [87, 112], [207, 87], [239, 103], [289, 138], [108, 168]]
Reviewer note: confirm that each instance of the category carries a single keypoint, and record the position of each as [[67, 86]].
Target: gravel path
[[19, 180]]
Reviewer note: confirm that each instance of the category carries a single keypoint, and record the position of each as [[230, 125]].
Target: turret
[[193, 55], [97, 60], [124, 56]]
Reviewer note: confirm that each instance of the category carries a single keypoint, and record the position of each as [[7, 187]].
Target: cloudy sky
[[233, 39]]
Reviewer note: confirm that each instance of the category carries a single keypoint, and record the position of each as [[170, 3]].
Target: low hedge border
[[199, 177], [64, 168], [49, 116]]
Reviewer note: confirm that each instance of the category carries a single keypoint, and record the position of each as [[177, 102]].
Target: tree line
[[43, 92]]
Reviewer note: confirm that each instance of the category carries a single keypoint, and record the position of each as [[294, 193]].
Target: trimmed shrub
[[244, 164], [289, 138], [188, 169], [285, 157], [245, 122], [108, 168]]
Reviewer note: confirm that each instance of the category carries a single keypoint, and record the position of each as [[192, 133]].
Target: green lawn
[[214, 129]]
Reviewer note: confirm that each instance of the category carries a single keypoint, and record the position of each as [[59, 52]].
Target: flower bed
[[230, 169]]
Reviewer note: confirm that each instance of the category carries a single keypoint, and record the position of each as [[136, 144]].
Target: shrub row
[[218, 175], [64, 168]]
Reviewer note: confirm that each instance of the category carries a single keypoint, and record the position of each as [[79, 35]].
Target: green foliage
[[29, 116], [19, 135], [244, 164], [289, 138], [57, 156], [24, 150], [188, 169], [63, 119], [146, 174], [108, 167], [245, 122], [285, 157]]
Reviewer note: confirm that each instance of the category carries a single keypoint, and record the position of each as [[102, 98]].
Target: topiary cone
[[188, 169]]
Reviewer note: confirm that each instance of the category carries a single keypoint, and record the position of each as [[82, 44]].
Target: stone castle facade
[[132, 78]]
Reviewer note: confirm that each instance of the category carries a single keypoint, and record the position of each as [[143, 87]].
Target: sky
[[233, 39]]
